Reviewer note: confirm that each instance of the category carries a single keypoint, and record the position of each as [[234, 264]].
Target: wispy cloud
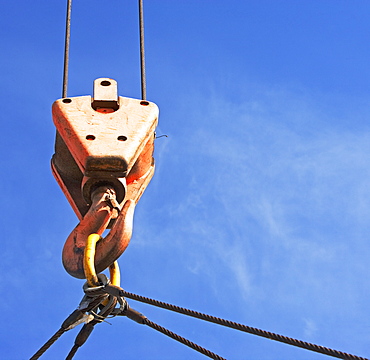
[[270, 198], [310, 328]]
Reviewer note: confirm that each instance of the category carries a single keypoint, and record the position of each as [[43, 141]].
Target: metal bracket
[[105, 97]]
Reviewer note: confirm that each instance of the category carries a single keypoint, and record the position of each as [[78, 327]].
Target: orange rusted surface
[[105, 144], [96, 221], [97, 144], [143, 162]]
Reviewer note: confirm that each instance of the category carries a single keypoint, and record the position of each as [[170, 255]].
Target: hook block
[[102, 139]]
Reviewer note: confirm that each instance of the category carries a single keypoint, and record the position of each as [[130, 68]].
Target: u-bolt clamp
[[103, 143]]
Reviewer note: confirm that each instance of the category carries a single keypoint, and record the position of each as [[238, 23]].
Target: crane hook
[[104, 208]]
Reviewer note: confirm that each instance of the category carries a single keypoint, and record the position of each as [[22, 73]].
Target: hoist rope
[[244, 328], [67, 46], [142, 50], [66, 49]]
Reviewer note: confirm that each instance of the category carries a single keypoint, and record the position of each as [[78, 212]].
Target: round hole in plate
[[122, 138], [105, 83], [67, 101], [90, 137], [145, 103]]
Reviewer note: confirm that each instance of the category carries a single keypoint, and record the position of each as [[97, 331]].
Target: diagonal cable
[[74, 319], [245, 328], [184, 341], [142, 319], [50, 342]]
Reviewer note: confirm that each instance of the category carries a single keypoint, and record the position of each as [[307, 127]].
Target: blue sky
[[259, 211]]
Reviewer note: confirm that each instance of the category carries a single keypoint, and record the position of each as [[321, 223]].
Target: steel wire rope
[[142, 51], [182, 340], [48, 343], [244, 328], [66, 49], [72, 352], [67, 41]]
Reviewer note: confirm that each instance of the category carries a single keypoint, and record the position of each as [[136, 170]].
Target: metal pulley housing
[[105, 139]]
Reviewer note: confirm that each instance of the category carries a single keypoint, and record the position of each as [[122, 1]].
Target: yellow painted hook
[[89, 266]]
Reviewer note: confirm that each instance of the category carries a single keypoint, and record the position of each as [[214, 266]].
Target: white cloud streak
[[269, 198]]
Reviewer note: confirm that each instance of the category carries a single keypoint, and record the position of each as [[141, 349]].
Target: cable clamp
[[85, 319], [93, 291]]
